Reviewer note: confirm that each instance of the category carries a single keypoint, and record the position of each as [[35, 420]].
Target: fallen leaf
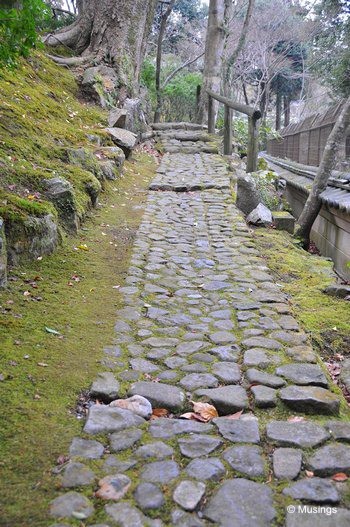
[[309, 474], [52, 331], [295, 419], [340, 476], [205, 410], [194, 417], [237, 415], [83, 247], [43, 364], [26, 293], [159, 412], [62, 459]]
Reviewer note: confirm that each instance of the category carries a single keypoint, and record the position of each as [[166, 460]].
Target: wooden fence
[[304, 142]]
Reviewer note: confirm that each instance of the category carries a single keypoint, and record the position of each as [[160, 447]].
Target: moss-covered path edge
[[204, 320]]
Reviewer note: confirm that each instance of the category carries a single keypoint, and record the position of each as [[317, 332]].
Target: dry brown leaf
[[340, 476], [309, 474], [205, 410], [237, 415], [296, 419], [194, 417], [159, 412]]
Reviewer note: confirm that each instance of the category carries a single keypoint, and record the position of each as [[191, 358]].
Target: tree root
[[71, 61]]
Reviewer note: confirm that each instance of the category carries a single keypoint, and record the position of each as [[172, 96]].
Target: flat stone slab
[[298, 518], [160, 395], [227, 399], [331, 459], [198, 380], [210, 468], [158, 450], [317, 490], [188, 494], [105, 387], [302, 354], [125, 515], [77, 475], [241, 502], [287, 463], [71, 505], [260, 358], [168, 428], [264, 397], [238, 430], [103, 419], [339, 430], [310, 399], [262, 342], [198, 445], [160, 472], [255, 376], [87, 448], [124, 439], [300, 434], [304, 374], [245, 459], [149, 496], [226, 372]]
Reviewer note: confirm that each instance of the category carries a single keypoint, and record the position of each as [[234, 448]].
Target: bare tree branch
[[177, 70]]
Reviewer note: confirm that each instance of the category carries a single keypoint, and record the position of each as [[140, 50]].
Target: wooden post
[[198, 97], [228, 131], [253, 144], [211, 115]]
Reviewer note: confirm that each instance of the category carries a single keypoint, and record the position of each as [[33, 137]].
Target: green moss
[[35, 431], [16, 208]]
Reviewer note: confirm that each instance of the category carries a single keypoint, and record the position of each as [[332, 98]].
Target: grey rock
[[186, 348], [345, 373], [310, 399], [160, 395], [302, 354], [135, 120], [227, 399], [290, 337], [149, 496], [210, 468], [168, 428], [188, 494], [264, 397], [196, 367], [287, 463], [222, 337], [199, 380], [113, 465], [228, 373], [245, 459], [316, 490], [158, 450], [255, 376], [61, 193], [125, 439], [103, 419], [262, 342], [123, 138], [105, 387], [77, 475], [341, 518], [288, 322], [238, 430], [339, 430], [261, 215], [160, 472], [71, 505], [175, 362], [117, 117], [87, 448], [125, 515], [160, 342], [241, 502], [303, 374], [260, 358], [143, 365], [198, 445], [340, 291], [225, 353], [331, 459], [248, 196], [302, 434], [100, 83], [180, 518]]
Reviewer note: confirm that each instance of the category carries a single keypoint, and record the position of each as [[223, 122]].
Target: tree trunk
[[115, 31], [163, 23], [313, 202], [286, 110], [278, 109], [214, 46]]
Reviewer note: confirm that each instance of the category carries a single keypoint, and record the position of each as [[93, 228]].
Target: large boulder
[[117, 118], [248, 195], [3, 254], [31, 237], [60, 192], [135, 117], [111, 160], [100, 84], [261, 215], [125, 139], [86, 159]]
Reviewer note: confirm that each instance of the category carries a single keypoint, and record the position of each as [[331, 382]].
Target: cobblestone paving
[[204, 321]]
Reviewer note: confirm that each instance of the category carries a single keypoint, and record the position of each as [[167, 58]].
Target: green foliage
[[180, 97], [18, 29], [148, 77], [240, 132], [265, 181]]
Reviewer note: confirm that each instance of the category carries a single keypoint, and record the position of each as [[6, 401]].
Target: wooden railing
[[253, 126]]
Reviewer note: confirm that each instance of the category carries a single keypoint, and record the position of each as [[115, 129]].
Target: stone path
[[204, 321]]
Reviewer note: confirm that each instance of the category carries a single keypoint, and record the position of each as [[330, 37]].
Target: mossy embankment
[[304, 277], [72, 292], [40, 117]]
